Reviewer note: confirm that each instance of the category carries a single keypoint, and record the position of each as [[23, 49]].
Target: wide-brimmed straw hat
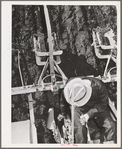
[[78, 91]]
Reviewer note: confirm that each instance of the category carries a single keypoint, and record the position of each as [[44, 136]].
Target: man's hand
[[84, 118], [60, 117]]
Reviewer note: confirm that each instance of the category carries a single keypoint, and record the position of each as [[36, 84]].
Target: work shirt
[[97, 103]]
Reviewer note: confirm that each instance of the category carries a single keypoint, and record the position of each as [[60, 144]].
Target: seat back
[[41, 53]]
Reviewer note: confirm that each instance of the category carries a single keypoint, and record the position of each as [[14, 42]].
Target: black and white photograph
[[61, 74]]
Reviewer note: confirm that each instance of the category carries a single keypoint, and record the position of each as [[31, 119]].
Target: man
[[91, 102]]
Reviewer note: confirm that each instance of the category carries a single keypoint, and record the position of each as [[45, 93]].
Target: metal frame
[[54, 85], [107, 77]]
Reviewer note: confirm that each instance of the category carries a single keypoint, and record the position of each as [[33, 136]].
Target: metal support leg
[[33, 132]]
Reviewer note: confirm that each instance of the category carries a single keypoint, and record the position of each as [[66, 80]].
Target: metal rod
[[106, 68], [20, 69], [53, 79], [60, 71], [42, 73], [73, 123], [72, 114]]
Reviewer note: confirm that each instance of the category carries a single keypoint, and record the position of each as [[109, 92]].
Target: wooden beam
[[31, 88], [55, 53]]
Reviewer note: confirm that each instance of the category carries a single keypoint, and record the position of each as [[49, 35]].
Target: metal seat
[[101, 48], [41, 57], [109, 35]]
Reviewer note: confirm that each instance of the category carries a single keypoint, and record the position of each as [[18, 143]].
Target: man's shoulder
[[91, 78]]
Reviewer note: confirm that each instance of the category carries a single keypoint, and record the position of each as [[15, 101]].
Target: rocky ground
[[73, 27]]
